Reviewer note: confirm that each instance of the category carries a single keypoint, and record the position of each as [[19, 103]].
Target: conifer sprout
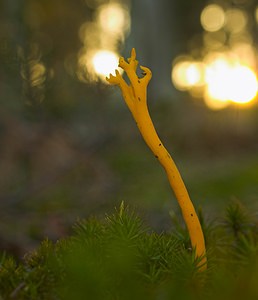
[[135, 96]]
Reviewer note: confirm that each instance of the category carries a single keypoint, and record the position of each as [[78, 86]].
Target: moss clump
[[119, 258]]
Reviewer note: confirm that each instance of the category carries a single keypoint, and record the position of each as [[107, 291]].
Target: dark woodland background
[[69, 147]]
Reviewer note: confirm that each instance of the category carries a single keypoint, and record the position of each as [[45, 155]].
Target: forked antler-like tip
[[133, 53], [146, 72], [114, 79]]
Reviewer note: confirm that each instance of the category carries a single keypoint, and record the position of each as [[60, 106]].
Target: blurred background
[[69, 147]]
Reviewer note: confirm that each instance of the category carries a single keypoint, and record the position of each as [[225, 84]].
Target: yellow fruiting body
[[135, 96]]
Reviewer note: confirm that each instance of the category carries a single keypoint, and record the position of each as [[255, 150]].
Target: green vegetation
[[119, 258]]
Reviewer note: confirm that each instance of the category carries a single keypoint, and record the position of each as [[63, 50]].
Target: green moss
[[119, 258]]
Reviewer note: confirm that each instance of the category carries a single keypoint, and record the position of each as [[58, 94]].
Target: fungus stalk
[[135, 96]]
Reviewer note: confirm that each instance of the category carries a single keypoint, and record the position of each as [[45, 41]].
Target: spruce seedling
[[135, 96]]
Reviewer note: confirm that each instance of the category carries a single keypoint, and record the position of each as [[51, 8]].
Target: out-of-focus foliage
[[53, 124], [120, 258]]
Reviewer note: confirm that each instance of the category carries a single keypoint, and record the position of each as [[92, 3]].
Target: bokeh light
[[186, 74], [97, 64], [217, 77], [89, 34], [225, 72], [221, 76], [240, 37], [242, 85], [246, 54], [37, 74], [214, 40], [105, 62], [214, 103], [102, 39], [113, 18], [212, 17], [227, 80], [236, 20]]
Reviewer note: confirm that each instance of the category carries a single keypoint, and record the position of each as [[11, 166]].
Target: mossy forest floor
[[119, 258]]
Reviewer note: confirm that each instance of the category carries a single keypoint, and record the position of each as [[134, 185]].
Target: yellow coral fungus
[[135, 96]]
